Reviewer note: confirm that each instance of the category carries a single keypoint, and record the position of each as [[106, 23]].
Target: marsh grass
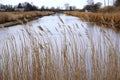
[[22, 17], [109, 9], [71, 54], [102, 19]]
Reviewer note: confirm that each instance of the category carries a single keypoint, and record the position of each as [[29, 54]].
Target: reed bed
[[22, 16], [102, 19], [109, 9], [78, 52]]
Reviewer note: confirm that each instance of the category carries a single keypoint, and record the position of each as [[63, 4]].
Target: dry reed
[[36, 54], [22, 17], [103, 19]]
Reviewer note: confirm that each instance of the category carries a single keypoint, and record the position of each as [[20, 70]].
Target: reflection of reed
[[76, 53]]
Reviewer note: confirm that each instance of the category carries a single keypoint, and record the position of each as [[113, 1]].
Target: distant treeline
[[30, 7], [20, 7], [94, 7]]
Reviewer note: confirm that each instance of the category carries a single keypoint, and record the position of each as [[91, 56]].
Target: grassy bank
[[103, 19], [13, 18], [109, 9]]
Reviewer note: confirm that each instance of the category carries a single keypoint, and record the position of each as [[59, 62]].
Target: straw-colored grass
[[109, 9], [106, 19], [74, 53], [22, 17]]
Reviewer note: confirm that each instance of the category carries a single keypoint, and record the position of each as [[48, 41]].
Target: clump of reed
[[16, 16], [103, 19], [76, 52], [109, 9]]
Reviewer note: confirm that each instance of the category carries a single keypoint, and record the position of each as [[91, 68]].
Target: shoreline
[[27, 17], [109, 20]]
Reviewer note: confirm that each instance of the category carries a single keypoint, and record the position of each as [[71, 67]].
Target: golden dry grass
[[91, 54], [109, 9], [103, 19], [17, 16]]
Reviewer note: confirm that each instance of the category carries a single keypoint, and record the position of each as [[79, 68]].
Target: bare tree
[[90, 2], [108, 2], [66, 6], [113, 2], [117, 3], [93, 7], [19, 5], [104, 2]]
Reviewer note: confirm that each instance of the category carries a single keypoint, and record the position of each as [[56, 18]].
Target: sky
[[55, 3]]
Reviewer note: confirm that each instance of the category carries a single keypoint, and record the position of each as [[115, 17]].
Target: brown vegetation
[[109, 9], [21, 17], [109, 20], [36, 54]]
